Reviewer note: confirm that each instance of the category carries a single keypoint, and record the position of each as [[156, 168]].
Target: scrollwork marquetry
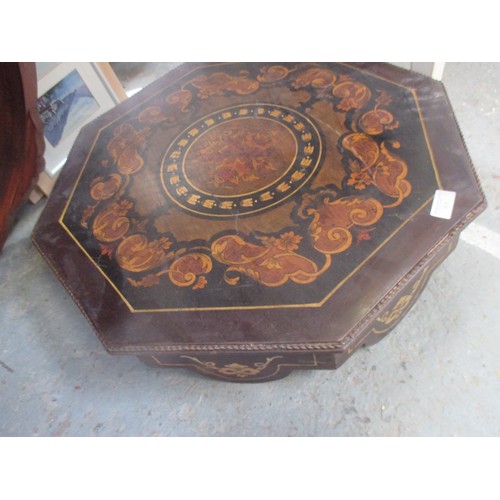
[[272, 263], [330, 229], [272, 259], [389, 318], [233, 369], [237, 370]]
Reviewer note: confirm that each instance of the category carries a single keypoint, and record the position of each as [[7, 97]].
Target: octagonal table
[[245, 220]]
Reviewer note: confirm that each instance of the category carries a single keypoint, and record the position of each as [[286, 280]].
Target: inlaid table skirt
[[246, 220]]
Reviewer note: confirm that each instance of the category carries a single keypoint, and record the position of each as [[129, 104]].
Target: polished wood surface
[[249, 219], [21, 140]]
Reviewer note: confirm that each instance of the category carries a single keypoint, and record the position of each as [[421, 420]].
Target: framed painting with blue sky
[[70, 95]]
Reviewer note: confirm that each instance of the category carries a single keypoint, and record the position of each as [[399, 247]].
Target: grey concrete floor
[[437, 374]]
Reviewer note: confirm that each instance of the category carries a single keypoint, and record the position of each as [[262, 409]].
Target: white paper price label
[[442, 205]]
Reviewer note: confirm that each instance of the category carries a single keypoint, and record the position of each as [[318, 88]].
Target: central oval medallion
[[241, 160]]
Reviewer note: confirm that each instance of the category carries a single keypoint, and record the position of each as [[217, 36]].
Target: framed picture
[[71, 95]]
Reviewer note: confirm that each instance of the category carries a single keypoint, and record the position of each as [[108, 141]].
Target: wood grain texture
[[21, 140], [232, 217]]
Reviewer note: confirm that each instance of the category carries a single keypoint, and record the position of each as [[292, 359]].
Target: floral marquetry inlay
[[225, 148]]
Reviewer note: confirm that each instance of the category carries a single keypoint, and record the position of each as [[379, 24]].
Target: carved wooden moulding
[[244, 220]]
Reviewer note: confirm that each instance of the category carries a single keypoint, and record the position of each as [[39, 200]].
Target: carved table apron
[[245, 220]]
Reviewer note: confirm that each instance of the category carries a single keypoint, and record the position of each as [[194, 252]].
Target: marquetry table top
[[248, 204]]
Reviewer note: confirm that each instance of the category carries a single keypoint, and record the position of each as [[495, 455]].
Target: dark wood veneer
[[299, 254]]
